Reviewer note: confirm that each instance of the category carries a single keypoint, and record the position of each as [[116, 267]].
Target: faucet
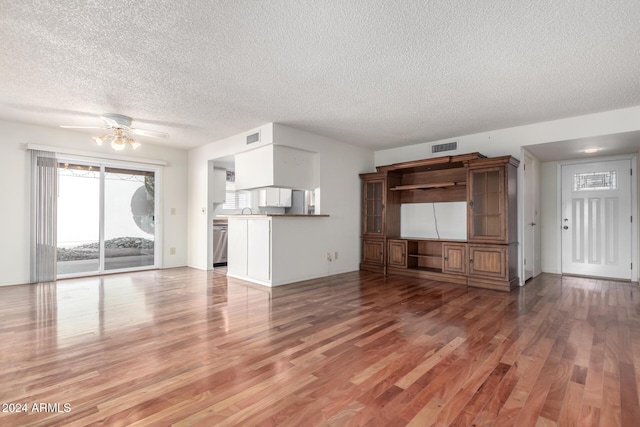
[[250, 211]]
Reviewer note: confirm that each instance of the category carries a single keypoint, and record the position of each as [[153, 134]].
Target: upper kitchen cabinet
[[275, 197], [219, 186], [492, 206], [277, 166]]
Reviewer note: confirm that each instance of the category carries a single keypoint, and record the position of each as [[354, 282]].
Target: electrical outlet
[[335, 255], [173, 211], [329, 256], [172, 251]]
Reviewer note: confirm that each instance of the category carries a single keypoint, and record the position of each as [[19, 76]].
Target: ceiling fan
[[120, 126]]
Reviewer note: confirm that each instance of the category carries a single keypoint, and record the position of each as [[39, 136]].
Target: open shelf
[[428, 186], [425, 255]]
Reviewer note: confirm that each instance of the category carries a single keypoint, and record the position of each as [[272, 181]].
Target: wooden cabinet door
[[397, 253], [373, 251], [486, 218], [488, 261], [454, 257]]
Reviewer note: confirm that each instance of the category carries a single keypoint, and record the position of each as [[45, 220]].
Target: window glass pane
[[595, 181], [129, 218], [479, 182], [239, 199], [78, 228]]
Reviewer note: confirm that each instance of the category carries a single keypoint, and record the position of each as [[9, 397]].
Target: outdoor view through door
[[106, 218]]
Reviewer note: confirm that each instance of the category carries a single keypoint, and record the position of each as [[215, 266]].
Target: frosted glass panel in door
[[129, 218]]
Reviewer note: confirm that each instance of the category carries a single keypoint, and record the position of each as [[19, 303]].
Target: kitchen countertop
[[269, 215]]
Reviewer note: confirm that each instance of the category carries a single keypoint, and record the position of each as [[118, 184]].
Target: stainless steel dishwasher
[[219, 242]]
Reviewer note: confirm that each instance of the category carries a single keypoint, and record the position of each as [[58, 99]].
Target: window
[[235, 199], [595, 181]]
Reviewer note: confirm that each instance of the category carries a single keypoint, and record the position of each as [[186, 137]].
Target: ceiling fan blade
[[111, 123], [82, 127], [151, 133]]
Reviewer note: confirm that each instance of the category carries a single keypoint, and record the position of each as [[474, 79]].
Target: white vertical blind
[[44, 216]]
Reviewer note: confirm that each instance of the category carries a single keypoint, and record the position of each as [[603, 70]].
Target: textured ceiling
[[375, 73]]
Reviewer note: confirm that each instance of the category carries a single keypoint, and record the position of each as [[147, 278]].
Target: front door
[[596, 219]]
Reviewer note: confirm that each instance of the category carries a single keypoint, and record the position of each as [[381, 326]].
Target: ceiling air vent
[[254, 137], [448, 146]]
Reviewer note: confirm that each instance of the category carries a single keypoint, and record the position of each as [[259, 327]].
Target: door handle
[[566, 227], [532, 224]]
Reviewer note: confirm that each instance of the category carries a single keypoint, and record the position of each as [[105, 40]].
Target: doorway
[[106, 218], [596, 219]]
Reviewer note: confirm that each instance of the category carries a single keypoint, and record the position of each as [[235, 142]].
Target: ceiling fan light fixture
[[118, 143], [118, 140], [120, 127], [133, 143]]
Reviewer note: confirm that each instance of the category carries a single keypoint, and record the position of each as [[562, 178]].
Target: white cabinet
[[237, 247], [285, 197], [277, 166], [259, 249], [275, 197], [219, 185], [249, 249]]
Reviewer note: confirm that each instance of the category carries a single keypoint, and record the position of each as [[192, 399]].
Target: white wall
[[15, 193], [200, 207], [510, 141], [549, 220], [339, 166]]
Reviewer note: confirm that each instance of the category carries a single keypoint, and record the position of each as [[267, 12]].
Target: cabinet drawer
[[488, 261]]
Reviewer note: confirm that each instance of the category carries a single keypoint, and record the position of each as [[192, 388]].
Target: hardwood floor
[[187, 347]]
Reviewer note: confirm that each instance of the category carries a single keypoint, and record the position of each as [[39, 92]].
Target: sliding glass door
[[78, 218], [106, 218], [129, 218]]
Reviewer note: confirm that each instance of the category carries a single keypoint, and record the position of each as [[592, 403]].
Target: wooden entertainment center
[[488, 256]]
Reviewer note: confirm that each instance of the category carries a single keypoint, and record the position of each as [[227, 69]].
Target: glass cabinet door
[[373, 207], [486, 203]]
